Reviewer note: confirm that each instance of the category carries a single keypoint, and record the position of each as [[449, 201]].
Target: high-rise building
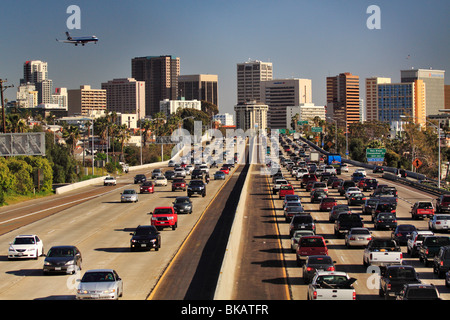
[[447, 96], [125, 95], [371, 96], [199, 87], [306, 112], [171, 106], [27, 96], [86, 101], [251, 115], [34, 71], [60, 97], [343, 99], [160, 74], [45, 91], [279, 94], [434, 85], [402, 99], [249, 77]]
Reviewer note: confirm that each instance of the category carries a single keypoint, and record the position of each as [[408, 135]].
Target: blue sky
[[303, 39]]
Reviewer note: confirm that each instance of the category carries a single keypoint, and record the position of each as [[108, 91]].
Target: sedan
[[182, 205], [337, 210], [129, 195], [147, 187], [402, 232], [100, 284], [326, 204], [219, 175], [225, 170], [385, 220], [160, 181], [439, 222], [356, 198], [62, 259], [350, 191], [26, 246], [296, 238], [140, 178], [357, 237], [316, 263]]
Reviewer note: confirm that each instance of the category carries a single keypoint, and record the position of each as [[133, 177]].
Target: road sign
[[417, 163], [303, 122], [375, 155], [316, 129]]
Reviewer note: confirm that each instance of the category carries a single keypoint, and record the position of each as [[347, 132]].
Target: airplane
[[79, 40]]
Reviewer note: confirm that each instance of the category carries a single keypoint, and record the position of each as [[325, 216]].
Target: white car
[[439, 222], [344, 167], [361, 170], [296, 238], [351, 190], [109, 181], [100, 284], [180, 172], [160, 181], [26, 246]]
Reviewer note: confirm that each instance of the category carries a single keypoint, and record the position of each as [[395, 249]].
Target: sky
[[303, 39]]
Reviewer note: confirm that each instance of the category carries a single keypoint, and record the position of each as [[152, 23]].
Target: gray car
[[129, 195], [316, 263], [100, 284], [62, 259], [358, 237]]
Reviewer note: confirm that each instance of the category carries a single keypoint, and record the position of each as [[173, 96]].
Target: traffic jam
[[360, 211]]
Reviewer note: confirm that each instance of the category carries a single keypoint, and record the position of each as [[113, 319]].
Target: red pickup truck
[[164, 217], [422, 209], [285, 189], [311, 246]]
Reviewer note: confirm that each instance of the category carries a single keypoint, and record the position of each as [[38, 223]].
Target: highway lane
[[350, 260], [100, 227]]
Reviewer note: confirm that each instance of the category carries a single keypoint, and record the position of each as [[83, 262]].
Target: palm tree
[[123, 134], [72, 136]]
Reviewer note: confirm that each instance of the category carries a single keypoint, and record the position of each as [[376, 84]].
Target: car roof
[[25, 235], [100, 270]]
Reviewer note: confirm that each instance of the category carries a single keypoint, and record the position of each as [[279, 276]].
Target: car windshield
[[349, 217], [144, 231], [196, 183], [182, 200], [360, 231], [425, 205], [61, 252], [328, 200], [312, 242], [163, 211], [331, 279], [443, 217], [437, 241], [407, 227], [402, 273], [386, 216], [23, 240], [302, 219], [98, 276], [129, 192]]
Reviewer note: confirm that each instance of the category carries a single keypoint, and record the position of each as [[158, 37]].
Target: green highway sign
[[316, 129], [375, 155], [300, 123]]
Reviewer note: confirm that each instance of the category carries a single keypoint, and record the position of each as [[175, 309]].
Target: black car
[[196, 187], [418, 292], [356, 199], [182, 205], [369, 206], [385, 220], [145, 237], [62, 259], [378, 169], [197, 174], [401, 233], [169, 174], [441, 262], [318, 195], [345, 184], [384, 207], [302, 221], [140, 178], [316, 263]]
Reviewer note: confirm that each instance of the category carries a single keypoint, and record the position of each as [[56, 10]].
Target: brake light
[[354, 295], [442, 263], [314, 295], [309, 269], [370, 238], [330, 269], [401, 256]]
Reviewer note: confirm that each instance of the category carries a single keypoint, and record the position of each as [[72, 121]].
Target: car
[[171, 163], [145, 237], [311, 177], [109, 181], [196, 187], [344, 185], [164, 217], [169, 174], [302, 221], [418, 292], [285, 190], [357, 176], [179, 183], [422, 209], [439, 222], [225, 170], [25, 247], [327, 203], [344, 167], [296, 237], [204, 168], [309, 246], [369, 184], [351, 190], [318, 195], [140, 178], [129, 195], [197, 174], [402, 232], [291, 198], [292, 209], [358, 237], [362, 171], [62, 259], [219, 175], [385, 220], [395, 277], [100, 284], [336, 182], [377, 169], [415, 241], [430, 248], [160, 181], [180, 172], [316, 263], [156, 173], [337, 210], [183, 205], [383, 206], [368, 207], [356, 198], [441, 262], [345, 222], [443, 204], [319, 185], [147, 187]]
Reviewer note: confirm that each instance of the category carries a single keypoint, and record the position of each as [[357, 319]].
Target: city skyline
[[302, 39]]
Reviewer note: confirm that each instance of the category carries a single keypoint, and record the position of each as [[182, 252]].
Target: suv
[[345, 185], [156, 173], [197, 174], [286, 189], [430, 248], [443, 204], [140, 178], [196, 187], [302, 221], [164, 217], [415, 241], [369, 184], [145, 237], [311, 246], [345, 221], [441, 262]]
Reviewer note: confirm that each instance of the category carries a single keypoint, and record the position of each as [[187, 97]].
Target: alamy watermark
[[374, 20], [74, 20]]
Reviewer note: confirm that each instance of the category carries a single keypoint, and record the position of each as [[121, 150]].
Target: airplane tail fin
[[68, 36]]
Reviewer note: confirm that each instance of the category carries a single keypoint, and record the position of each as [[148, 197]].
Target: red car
[[326, 204], [147, 187], [285, 189], [308, 178], [311, 246], [225, 170], [178, 184], [361, 183], [336, 183]]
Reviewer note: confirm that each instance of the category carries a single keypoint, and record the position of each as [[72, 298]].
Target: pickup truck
[[422, 209], [418, 292], [277, 185], [430, 248], [382, 252], [345, 221], [109, 181], [395, 277], [331, 285], [164, 217], [415, 240]]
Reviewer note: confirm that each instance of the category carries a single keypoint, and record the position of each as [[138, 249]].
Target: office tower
[[249, 77], [402, 99], [34, 71], [371, 96], [434, 85], [199, 87], [171, 106], [251, 115], [161, 79], [86, 101], [343, 99], [45, 90], [60, 97], [125, 95], [279, 94]]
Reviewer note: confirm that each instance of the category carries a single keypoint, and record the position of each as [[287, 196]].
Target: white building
[[306, 112], [171, 106], [225, 119], [27, 96], [60, 97], [251, 115]]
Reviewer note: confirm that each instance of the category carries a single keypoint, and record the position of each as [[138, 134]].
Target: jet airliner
[[79, 40]]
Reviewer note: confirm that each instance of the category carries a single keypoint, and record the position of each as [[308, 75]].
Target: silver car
[[129, 195], [358, 237], [102, 284], [296, 238]]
